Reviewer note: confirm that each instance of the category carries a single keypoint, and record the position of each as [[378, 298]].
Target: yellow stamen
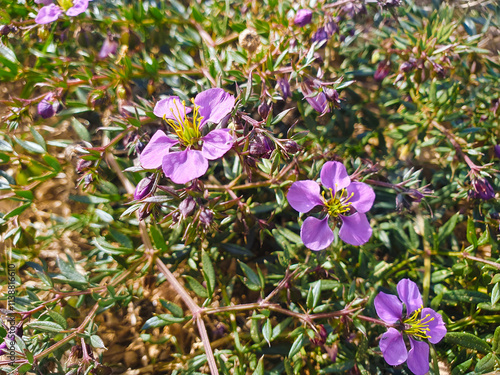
[[187, 130], [418, 327], [65, 4], [338, 205]]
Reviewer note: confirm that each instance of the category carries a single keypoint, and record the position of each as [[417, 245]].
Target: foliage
[[212, 276]]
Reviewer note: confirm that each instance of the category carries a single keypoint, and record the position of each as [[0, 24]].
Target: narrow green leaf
[[267, 330], [45, 326], [80, 129], [208, 272], [467, 340], [97, 342], [296, 346], [196, 286]]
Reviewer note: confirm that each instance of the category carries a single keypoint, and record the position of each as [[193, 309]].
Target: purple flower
[[285, 88], [383, 70], [346, 197], [320, 35], [144, 187], [317, 100], [303, 17], [48, 106], [51, 12], [418, 324], [190, 161], [108, 48], [482, 189]]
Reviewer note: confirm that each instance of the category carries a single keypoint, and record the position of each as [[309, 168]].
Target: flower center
[[188, 130], [65, 4], [416, 326], [339, 203]]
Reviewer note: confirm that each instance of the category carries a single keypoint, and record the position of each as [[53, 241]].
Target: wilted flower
[[316, 99], [383, 70], [284, 86], [320, 35], [418, 324], [346, 197], [303, 17], [482, 189], [48, 106], [108, 48], [51, 12], [206, 216], [191, 161], [249, 40]]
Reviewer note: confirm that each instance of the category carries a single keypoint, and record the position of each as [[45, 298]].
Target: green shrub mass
[[212, 276]]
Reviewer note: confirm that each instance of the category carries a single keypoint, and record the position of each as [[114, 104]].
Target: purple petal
[[44, 2], [410, 295], [436, 325], [363, 196], [303, 196], [48, 14], [355, 229], [184, 166], [171, 108], [217, 143], [316, 234], [108, 48], [215, 104], [393, 347], [157, 148], [79, 6], [389, 308], [418, 357], [334, 176], [319, 103]]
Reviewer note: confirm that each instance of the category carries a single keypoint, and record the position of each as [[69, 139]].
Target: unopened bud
[[187, 206], [291, 146], [48, 106], [260, 146], [496, 150], [263, 109], [206, 216], [483, 189], [383, 70], [284, 86], [144, 187], [303, 17]]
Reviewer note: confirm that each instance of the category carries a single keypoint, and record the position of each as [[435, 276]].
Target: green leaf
[[468, 296], [80, 129], [281, 116], [5, 146], [447, 228], [58, 318], [467, 340], [496, 340], [296, 346], [252, 280], [88, 199], [196, 286], [208, 272], [97, 342], [259, 370], [471, 232], [175, 309], [38, 138], [52, 162], [267, 330], [45, 326], [495, 294], [313, 295], [158, 239], [486, 364], [17, 211], [30, 146], [69, 271], [461, 368]]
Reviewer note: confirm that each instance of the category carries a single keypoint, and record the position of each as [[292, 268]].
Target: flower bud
[[187, 206], [263, 109], [97, 98], [382, 71], [48, 106], [284, 86], [332, 95], [331, 28], [260, 146], [406, 67], [291, 146], [249, 40], [6, 29], [496, 150], [303, 17], [319, 36], [483, 189], [144, 187], [82, 165], [206, 216]]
